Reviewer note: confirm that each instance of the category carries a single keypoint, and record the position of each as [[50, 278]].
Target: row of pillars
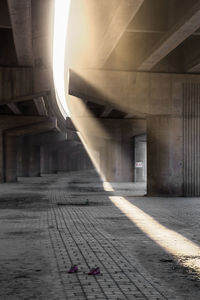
[[20, 157], [172, 167]]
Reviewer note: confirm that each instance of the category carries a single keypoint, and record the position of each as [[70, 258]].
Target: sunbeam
[[187, 252], [61, 17]]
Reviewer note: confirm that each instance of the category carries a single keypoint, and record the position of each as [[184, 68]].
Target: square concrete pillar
[[44, 160], [54, 161], [10, 158], [63, 160], [164, 156], [116, 160], [34, 161], [22, 157]]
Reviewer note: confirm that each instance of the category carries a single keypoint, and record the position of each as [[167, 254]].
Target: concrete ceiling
[[157, 36], [115, 35], [131, 35]]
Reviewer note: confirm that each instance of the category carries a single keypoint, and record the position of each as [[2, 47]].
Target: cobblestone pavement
[[66, 226]]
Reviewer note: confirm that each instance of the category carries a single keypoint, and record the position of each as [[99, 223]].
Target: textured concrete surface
[[52, 222]]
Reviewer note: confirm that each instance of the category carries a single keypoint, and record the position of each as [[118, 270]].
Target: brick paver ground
[[67, 227], [78, 238]]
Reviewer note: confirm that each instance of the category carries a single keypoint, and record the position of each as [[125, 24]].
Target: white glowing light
[[61, 17], [107, 186]]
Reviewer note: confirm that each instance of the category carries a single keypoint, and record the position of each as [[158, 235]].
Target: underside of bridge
[[131, 68], [131, 117]]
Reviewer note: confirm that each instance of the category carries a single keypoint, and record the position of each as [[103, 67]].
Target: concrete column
[[127, 159], [67, 161], [55, 161], [116, 160], [19, 156], [59, 159], [62, 164], [110, 160], [22, 157], [164, 156], [34, 161], [1, 157], [114, 172], [44, 160], [50, 160], [10, 159]]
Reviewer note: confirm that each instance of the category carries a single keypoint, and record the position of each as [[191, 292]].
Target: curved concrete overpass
[[133, 69]]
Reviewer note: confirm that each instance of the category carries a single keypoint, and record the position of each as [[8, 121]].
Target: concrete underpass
[[99, 149]]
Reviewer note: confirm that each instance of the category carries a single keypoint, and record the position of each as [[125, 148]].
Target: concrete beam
[[93, 40], [23, 98], [128, 116], [34, 128], [5, 26], [108, 128], [10, 145], [20, 14], [132, 30], [14, 108], [138, 93], [124, 13], [174, 37], [40, 106], [152, 31], [9, 121], [194, 69], [194, 66], [106, 112], [48, 138]]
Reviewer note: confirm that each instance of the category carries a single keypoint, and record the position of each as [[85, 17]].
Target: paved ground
[[48, 224]]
